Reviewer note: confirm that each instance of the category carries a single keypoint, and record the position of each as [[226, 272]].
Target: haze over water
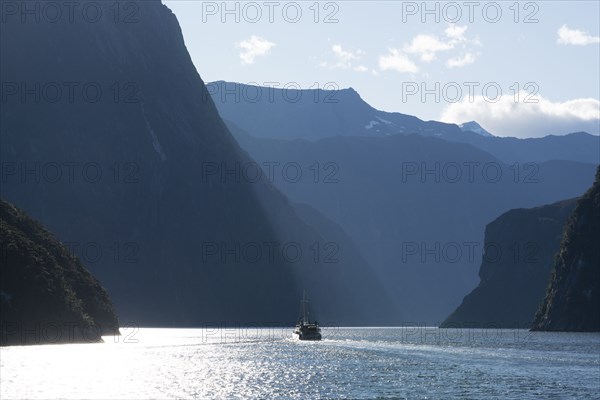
[[411, 363]]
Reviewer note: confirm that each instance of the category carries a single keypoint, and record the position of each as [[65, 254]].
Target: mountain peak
[[474, 126], [286, 112]]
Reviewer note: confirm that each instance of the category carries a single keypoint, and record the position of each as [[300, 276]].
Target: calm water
[[411, 363]]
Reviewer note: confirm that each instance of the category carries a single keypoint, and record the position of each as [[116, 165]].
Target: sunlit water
[[411, 363]]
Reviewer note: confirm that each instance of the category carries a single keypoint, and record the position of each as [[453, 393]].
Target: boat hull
[[308, 332], [310, 337]]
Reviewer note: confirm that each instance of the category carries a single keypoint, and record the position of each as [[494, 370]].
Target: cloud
[[344, 59], [345, 55], [397, 61], [426, 46], [254, 47], [575, 37], [509, 118], [456, 32], [458, 62]]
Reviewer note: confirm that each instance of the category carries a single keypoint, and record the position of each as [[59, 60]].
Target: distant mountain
[[579, 146], [474, 127], [515, 270], [572, 302], [274, 113], [133, 161], [46, 294], [399, 197]]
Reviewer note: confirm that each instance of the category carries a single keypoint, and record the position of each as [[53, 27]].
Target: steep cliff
[[572, 302], [110, 138], [514, 273]]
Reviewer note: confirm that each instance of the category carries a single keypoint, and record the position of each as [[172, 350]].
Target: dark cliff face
[[514, 273], [148, 173], [46, 294], [572, 302]]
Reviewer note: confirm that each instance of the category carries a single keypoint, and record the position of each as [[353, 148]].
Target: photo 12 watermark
[[454, 252], [272, 92], [273, 171], [69, 92], [64, 332], [69, 11], [469, 91], [223, 333], [69, 172], [126, 252], [467, 333], [469, 172], [88, 252], [252, 12], [269, 253], [470, 11]]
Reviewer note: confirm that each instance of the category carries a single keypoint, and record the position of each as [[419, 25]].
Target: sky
[[523, 69]]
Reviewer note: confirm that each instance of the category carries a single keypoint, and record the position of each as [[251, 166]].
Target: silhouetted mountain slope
[[515, 270], [145, 175], [46, 294], [572, 302], [274, 113], [579, 146], [344, 251], [409, 202]]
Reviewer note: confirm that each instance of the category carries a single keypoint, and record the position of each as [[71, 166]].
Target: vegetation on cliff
[[572, 302], [46, 294]]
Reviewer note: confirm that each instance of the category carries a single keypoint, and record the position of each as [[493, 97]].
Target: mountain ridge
[[276, 115]]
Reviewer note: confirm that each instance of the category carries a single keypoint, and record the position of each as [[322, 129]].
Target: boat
[[305, 329]]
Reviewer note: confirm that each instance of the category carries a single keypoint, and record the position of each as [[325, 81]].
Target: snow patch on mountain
[[371, 124], [474, 127]]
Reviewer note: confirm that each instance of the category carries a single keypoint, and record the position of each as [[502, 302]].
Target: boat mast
[[304, 301]]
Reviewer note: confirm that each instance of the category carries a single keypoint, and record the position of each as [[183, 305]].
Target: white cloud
[[510, 118], [575, 37], [253, 47], [345, 55], [426, 46], [344, 59], [397, 61], [458, 62], [456, 32]]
